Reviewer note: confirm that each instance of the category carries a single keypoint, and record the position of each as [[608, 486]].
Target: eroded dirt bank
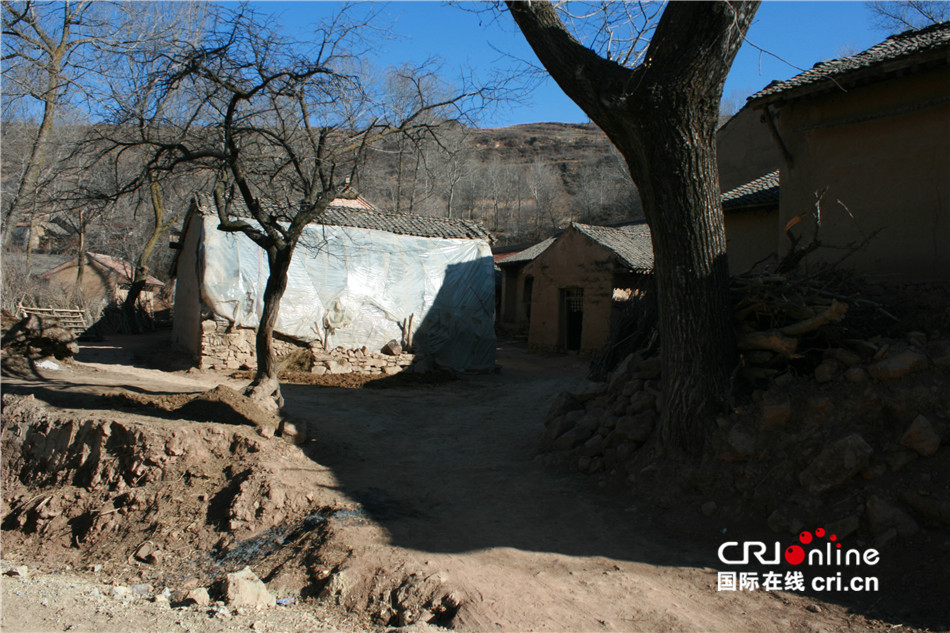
[[409, 504]]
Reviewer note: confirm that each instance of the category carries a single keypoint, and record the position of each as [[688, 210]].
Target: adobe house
[[106, 280], [359, 279], [577, 279], [871, 131], [516, 287], [751, 219]]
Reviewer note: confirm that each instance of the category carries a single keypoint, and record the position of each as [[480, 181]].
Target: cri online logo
[[831, 554]]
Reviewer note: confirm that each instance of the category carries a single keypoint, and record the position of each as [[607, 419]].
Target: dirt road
[[451, 487]]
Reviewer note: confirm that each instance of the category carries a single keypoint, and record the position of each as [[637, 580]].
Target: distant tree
[[546, 188], [133, 99], [661, 113], [894, 16], [451, 165], [53, 53]]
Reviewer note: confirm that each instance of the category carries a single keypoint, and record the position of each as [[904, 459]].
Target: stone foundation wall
[[359, 361], [224, 347]]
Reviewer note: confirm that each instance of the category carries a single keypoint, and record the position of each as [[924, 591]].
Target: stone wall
[[226, 347]]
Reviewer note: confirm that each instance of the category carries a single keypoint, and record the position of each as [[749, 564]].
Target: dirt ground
[[410, 502]]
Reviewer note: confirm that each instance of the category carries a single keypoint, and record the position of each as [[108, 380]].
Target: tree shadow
[[455, 469], [152, 350]]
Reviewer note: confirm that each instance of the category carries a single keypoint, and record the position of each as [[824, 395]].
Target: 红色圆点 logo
[[818, 562]]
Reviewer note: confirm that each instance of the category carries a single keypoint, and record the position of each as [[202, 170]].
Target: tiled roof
[[631, 243], [829, 73], [362, 215], [761, 191], [528, 254]]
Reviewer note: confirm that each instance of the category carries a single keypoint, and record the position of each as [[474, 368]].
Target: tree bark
[[662, 116], [265, 387], [681, 203]]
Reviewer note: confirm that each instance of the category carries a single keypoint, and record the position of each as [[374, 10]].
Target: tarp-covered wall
[[352, 287]]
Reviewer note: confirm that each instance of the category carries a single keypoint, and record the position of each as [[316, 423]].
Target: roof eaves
[[910, 49], [374, 219], [624, 241], [760, 192], [527, 255]]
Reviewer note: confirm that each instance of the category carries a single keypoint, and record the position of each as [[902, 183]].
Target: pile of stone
[[602, 424], [389, 361], [791, 438], [225, 347]]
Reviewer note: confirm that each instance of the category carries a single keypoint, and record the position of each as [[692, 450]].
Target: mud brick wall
[[223, 347]]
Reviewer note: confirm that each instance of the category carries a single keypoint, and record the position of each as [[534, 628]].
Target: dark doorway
[[526, 295], [572, 318]]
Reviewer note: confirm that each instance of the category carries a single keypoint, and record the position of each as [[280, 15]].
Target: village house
[[105, 281], [577, 280], [360, 278], [42, 234], [870, 134], [514, 310], [745, 151]]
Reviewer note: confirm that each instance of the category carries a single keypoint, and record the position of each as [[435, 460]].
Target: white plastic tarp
[[352, 287]]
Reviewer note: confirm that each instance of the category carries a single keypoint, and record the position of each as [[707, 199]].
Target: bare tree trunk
[[27, 184], [53, 67], [130, 315], [81, 253], [662, 116], [399, 179], [29, 242], [265, 387], [681, 203]]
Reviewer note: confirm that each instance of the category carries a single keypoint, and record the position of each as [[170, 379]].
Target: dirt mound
[[177, 505], [220, 404], [183, 500], [358, 380]]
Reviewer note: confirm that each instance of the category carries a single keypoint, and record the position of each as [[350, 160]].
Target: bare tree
[[661, 114], [895, 16], [452, 165], [546, 187], [52, 53], [133, 98], [282, 130]]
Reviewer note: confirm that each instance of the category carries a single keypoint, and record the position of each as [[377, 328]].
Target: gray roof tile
[[528, 254], [631, 243], [362, 217], [897, 47], [763, 190]]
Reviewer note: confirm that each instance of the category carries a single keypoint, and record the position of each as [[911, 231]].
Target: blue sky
[[800, 33]]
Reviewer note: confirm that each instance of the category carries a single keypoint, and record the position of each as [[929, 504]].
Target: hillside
[[522, 182]]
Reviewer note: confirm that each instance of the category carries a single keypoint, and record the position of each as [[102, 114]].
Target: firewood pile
[[784, 320]]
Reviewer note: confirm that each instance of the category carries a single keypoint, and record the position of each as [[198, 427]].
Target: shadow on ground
[[455, 469]]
